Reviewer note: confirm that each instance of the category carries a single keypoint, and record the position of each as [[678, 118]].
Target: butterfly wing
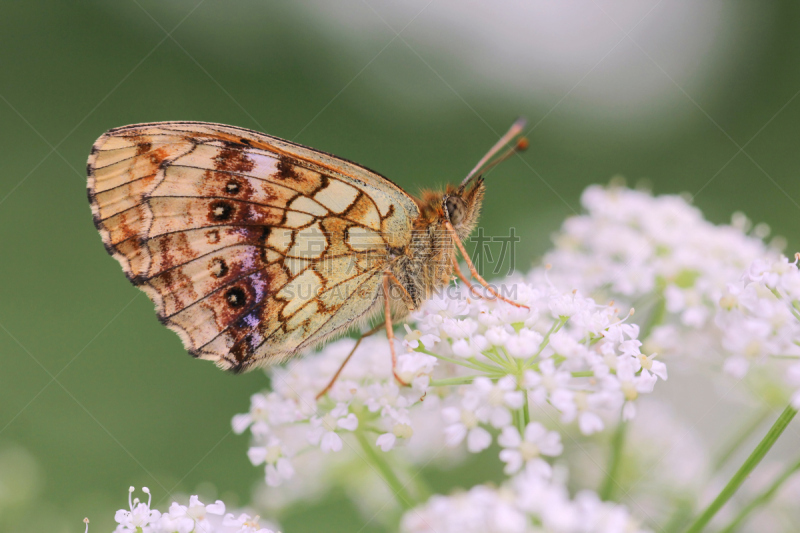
[[251, 247]]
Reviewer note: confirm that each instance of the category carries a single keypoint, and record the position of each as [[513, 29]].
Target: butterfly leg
[[474, 271], [363, 336], [387, 307], [463, 278], [408, 299]]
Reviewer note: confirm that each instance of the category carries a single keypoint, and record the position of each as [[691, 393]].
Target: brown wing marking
[[317, 319], [225, 229]]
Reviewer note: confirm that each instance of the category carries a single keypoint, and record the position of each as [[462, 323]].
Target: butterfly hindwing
[[251, 247]]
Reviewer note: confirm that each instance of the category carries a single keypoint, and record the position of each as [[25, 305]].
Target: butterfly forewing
[[250, 246]]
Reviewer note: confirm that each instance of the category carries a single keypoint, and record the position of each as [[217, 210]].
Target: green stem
[[748, 466], [526, 415], [546, 339], [495, 357], [486, 367], [458, 362], [741, 437], [520, 420], [684, 509], [656, 316], [583, 374], [511, 362], [389, 477], [762, 498], [460, 380], [614, 462]]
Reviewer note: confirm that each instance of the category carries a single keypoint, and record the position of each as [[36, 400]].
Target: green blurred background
[[95, 395]]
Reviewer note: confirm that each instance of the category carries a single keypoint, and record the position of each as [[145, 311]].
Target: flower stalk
[[614, 461], [762, 498], [386, 472], [738, 478]]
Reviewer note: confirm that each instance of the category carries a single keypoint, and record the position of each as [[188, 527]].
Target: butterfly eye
[[456, 209]]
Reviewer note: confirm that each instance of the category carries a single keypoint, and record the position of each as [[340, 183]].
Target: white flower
[[139, 517], [515, 507], [548, 383], [649, 364], [190, 519], [193, 518], [632, 385], [470, 347], [464, 422], [499, 398], [588, 407], [323, 430], [416, 369], [414, 338], [759, 321], [459, 328], [519, 451], [386, 441], [279, 468], [524, 344], [243, 524]]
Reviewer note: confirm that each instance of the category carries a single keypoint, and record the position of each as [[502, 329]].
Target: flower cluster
[[535, 383], [760, 320], [478, 371], [632, 244], [662, 255], [656, 251], [290, 420], [196, 517], [523, 501]]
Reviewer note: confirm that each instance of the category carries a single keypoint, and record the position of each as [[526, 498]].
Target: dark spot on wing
[[233, 187], [220, 210], [286, 169], [232, 158], [218, 268], [213, 236], [143, 148], [236, 297]]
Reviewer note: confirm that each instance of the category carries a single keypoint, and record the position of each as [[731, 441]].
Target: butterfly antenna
[[486, 161]]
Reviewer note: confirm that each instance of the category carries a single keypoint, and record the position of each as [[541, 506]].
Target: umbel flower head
[[532, 385], [659, 252], [479, 371], [515, 507], [196, 517], [759, 318]]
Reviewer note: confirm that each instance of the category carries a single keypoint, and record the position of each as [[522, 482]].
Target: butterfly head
[[458, 205], [461, 206]]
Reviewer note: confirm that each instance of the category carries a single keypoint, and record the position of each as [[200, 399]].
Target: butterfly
[[254, 248]]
